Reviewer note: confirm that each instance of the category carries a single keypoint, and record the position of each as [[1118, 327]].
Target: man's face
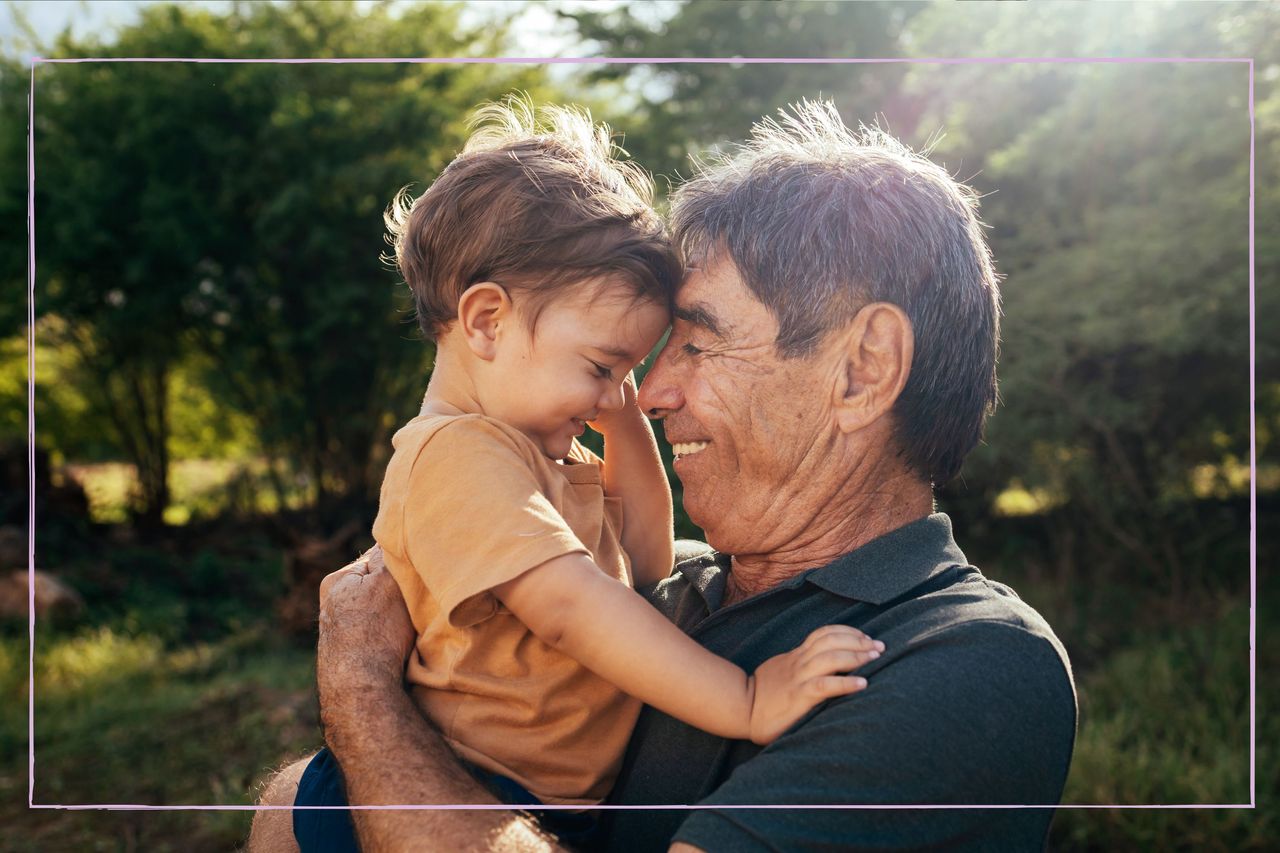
[[749, 429]]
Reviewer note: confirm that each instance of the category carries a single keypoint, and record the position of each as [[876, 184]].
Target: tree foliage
[[684, 108], [1118, 200], [1117, 203], [221, 223], [233, 211]]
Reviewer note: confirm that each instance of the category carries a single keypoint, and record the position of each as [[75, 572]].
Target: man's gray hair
[[819, 221]]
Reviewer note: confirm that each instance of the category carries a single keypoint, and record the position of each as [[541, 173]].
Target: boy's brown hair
[[537, 203]]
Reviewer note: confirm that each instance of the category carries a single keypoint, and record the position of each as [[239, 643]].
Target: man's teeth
[[689, 448]]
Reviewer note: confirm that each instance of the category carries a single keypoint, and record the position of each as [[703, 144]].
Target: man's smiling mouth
[[688, 448]]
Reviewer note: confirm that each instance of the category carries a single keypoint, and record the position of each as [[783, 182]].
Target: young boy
[[542, 273]]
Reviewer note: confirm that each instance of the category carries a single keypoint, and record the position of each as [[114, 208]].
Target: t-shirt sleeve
[[476, 516], [985, 718]]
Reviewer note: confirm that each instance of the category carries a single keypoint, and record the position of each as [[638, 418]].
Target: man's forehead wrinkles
[[699, 314]]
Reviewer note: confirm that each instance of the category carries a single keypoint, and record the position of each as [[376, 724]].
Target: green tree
[[1117, 197], [234, 210], [13, 196], [684, 108], [122, 229]]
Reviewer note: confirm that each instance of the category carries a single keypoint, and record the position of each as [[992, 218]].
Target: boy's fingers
[[850, 642], [837, 660], [828, 632], [827, 686]]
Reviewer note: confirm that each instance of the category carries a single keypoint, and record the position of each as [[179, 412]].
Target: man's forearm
[[390, 755], [389, 752]]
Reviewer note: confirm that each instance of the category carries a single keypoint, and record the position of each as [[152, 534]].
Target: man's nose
[[660, 392]]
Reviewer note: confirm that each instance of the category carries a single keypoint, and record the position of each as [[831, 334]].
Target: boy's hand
[[788, 685], [629, 413]]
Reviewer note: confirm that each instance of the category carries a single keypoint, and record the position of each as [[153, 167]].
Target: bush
[[1166, 721]]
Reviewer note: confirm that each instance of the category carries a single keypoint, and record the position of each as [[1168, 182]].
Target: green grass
[[175, 688], [121, 719], [200, 489], [1166, 721]]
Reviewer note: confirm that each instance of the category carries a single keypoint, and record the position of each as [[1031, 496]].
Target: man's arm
[[389, 753]]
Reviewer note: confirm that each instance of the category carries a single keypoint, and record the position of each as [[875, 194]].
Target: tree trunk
[[150, 388], [134, 398]]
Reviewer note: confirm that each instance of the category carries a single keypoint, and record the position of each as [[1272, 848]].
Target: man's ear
[[483, 309], [877, 351]]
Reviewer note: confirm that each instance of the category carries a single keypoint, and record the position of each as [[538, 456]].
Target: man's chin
[[693, 509], [716, 515]]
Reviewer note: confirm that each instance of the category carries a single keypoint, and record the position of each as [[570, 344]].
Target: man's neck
[[844, 524]]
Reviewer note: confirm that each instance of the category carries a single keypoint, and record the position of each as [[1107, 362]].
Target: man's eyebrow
[[699, 315]]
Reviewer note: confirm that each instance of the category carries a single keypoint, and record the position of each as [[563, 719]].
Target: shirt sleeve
[[476, 516], [983, 714]]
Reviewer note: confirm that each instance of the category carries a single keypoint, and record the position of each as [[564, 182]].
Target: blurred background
[[221, 357]]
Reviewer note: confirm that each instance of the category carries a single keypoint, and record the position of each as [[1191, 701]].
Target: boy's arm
[[633, 471], [574, 607]]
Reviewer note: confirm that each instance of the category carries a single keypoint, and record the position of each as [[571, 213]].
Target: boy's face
[[570, 369]]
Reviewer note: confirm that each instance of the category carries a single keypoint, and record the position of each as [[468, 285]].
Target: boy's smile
[[549, 382]]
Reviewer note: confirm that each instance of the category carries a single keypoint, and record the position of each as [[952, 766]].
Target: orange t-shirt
[[469, 503]]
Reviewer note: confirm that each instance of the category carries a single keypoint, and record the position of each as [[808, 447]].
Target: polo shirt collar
[[707, 575], [879, 571], [893, 564]]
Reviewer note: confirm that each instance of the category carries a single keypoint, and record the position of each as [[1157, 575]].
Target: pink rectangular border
[[31, 261]]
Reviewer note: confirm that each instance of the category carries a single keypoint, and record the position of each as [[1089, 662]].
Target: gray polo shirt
[[972, 702]]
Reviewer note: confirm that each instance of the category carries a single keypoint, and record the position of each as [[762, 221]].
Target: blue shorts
[[330, 830]]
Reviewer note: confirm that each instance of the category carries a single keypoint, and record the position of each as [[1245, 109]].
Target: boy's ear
[[877, 350], [483, 309]]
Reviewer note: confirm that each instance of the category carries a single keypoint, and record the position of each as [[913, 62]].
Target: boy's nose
[[613, 399]]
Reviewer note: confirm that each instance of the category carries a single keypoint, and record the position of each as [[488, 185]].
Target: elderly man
[[832, 359]]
